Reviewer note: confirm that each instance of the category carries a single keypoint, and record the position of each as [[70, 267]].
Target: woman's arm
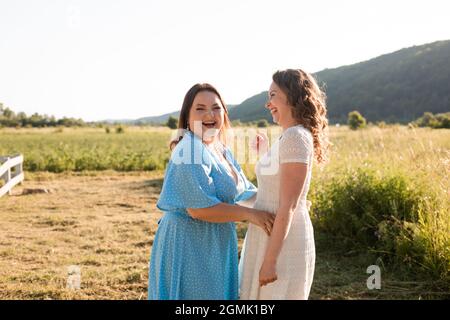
[[224, 212], [292, 180]]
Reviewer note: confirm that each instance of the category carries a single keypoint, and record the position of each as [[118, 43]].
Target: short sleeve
[[249, 188], [296, 145], [188, 184]]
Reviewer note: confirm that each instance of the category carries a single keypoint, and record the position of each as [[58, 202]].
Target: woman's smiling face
[[206, 116], [278, 105]]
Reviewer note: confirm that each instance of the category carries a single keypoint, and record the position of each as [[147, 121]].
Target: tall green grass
[[387, 191], [88, 149], [390, 214]]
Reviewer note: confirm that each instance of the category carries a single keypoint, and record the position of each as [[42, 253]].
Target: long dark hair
[[183, 120], [308, 105]]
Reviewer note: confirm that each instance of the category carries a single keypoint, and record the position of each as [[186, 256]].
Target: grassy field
[[74, 149], [104, 221]]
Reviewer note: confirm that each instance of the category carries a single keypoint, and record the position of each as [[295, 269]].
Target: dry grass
[[102, 223]]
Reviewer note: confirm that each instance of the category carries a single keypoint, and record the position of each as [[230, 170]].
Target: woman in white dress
[[282, 266]]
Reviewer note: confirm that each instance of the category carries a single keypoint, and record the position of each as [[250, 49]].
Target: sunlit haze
[[129, 59]]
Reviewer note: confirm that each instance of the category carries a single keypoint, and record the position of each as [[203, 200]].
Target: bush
[[107, 130], [438, 121], [262, 123], [356, 120], [120, 129], [357, 204], [443, 120], [172, 122], [388, 215]]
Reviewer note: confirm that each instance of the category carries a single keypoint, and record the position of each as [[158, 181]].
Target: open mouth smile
[[209, 124], [273, 111]]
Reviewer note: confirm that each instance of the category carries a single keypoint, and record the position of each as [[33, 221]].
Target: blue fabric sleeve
[[188, 184]]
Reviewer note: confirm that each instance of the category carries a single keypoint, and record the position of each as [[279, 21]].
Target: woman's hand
[[262, 219], [268, 273], [260, 143]]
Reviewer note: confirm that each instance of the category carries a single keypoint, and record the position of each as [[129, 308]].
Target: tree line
[[8, 118], [436, 121]]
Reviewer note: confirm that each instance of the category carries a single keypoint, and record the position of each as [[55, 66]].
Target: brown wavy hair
[[308, 103], [183, 120]]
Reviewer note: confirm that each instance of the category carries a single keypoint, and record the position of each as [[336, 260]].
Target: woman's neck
[[210, 142], [289, 123]]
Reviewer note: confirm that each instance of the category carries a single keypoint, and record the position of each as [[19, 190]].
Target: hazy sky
[[113, 59]]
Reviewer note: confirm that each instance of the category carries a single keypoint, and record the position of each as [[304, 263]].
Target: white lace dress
[[295, 264]]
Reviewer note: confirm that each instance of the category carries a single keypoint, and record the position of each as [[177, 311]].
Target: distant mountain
[[118, 121], [163, 118], [395, 87], [159, 119], [251, 109], [147, 120]]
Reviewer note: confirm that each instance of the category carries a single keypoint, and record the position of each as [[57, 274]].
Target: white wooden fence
[[11, 172]]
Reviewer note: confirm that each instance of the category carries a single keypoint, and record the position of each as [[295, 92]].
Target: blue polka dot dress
[[193, 259]]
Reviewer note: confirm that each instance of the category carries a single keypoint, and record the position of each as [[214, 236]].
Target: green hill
[[395, 87], [251, 109], [159, 119], [162, 119]]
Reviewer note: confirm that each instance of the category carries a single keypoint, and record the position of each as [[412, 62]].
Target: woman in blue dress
[[195, 253]]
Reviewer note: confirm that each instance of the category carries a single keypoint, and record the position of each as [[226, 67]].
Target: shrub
[[356, 120], [172, 122], [389, 215], [357, 203], [437, 121], [262, 123], [120, 129]]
